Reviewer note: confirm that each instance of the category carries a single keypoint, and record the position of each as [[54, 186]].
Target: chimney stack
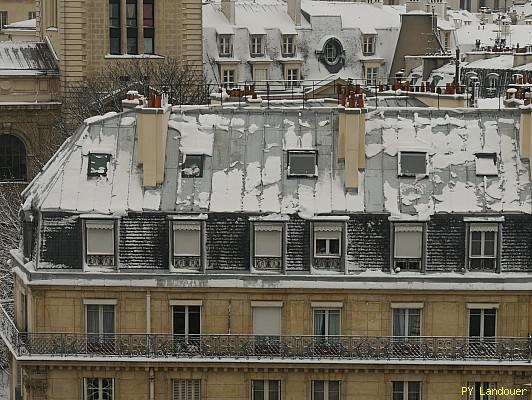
[[152, 128], [294, 11], [228, 9], [525, 131]]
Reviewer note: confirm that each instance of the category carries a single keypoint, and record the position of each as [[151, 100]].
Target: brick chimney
[[352, 143], [228, 9], [152, 128], [294, 11]]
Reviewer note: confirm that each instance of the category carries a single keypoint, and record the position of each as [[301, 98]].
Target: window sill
[[52, 29], [132, 56]]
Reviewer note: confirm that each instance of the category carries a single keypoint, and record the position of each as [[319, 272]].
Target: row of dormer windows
[[268, 245], [256, 45]]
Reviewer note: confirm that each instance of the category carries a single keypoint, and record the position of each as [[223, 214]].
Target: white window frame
[[225, 47], [191, 386], [372, 74], [291, 153], [227, 80], [266, 390], [482, 315], [100, 304], [327, 311], [407, 314], [406, 391], [268, 227], [187, 226], [256, 45], [292, 77], [408, 227], [325, 389], [406, 153], [288, 45], [484, 386], [483, 228], [187, 305], [368, 48], [100, 387], [328, 232]]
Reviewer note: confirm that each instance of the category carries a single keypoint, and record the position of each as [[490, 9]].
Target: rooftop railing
[[246, 347]]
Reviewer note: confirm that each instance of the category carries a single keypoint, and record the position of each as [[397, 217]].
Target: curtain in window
[[267, 321], [187, 239], [398, 322], [334, 322], [108, 319], [319, 322], [100, 238], [267, 242], [93, 319], [408, 242], [414, 321]]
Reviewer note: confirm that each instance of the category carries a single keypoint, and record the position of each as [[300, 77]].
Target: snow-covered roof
[[505, 61], [245, 165], [467, 35], [364, 16], [26, 58], [28, 24]]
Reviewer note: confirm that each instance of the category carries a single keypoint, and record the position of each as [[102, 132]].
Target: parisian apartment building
[[272, 252]]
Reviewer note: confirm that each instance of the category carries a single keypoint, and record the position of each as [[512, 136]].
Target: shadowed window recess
[[12, 159], [412, 163], [325, 390], [192, 166], [406, 390], [266, 390], [302, 163], [98, 164], [406, 322]]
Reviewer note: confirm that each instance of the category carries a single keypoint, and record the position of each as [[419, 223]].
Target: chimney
[[228, 9], [525, 131], [294, 11], [352, 143], [413, 5], [152, 128]]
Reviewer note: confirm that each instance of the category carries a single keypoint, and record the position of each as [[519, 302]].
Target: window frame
[[132, 29], [328, 232], [186, 315], [400, 262], [402, 153], [326, 389], [90, 173], [115, 30], [482, 322], [288, 45], [275, 227], [327, 316], [371, 78], [148, 31], [369, 44], [481, 386], [14, 155], [100, 387], [85, 236], [407, 313], [183, 166], [292, 77], [256, 45], [195, 385], [32, 14], [405, 391], [229, 81], [266, 388], [291, 153], [193, 226], [484, 227], [225, 45]]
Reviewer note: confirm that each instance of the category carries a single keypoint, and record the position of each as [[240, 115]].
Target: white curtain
[[100, 239], [267, 321]]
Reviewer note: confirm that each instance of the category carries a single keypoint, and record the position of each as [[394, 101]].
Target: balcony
[[336, 349]]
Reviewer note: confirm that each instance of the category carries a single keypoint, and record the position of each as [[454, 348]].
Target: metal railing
[[159, 346]]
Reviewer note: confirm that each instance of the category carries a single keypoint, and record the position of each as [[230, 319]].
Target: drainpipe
[[148, 332]]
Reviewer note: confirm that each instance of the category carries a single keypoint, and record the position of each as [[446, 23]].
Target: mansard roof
[[245, 164], [26, 58]]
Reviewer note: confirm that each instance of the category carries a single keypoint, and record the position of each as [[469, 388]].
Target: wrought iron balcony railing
[[288, 348]]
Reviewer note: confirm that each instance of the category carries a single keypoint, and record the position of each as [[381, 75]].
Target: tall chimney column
[[228, 9], [294, 11]]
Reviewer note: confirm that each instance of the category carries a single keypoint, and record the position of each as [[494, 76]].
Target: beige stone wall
[[234, 382], [17, 10], [363, 312], [81, 37], [29, 88]]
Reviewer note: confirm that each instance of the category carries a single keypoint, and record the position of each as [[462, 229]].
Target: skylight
[[98, 164], [486, 164], [412, 163], [192, 166], [303, 163]]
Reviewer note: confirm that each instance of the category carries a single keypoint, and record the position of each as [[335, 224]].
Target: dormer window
[[368, 45], [486, 164], [483, 245], [328, 246], [225, 48], [186, 244], [100, 243], [256, 45], [98, 164], [303, 163], [288, 46], [192, 166], [412, 163], [268, 246], [408, 246]]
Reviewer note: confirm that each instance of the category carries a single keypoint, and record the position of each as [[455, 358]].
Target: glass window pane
[[93, 319], [334, 390], [194, 320], [273, 390], [148, 14], [474, 322], [302, 163], [414, 391], [131, 14], [268, 243], [334, 322], [489, 323], [413, 163], [187, 242], [108, 319], [408, 244], [321, 246], [489, 244], [476, 244], [258, 390], [318, 390], [179, 320], [414, 322], [334, 246], [398, 388], [399, 327], [132, 45], [319, 322], [148, 45]]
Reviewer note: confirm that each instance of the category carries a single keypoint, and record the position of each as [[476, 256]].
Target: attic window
[[100, 243], [303, 163], [98, 164], [486, 164], [192, 166], [412, 163]]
